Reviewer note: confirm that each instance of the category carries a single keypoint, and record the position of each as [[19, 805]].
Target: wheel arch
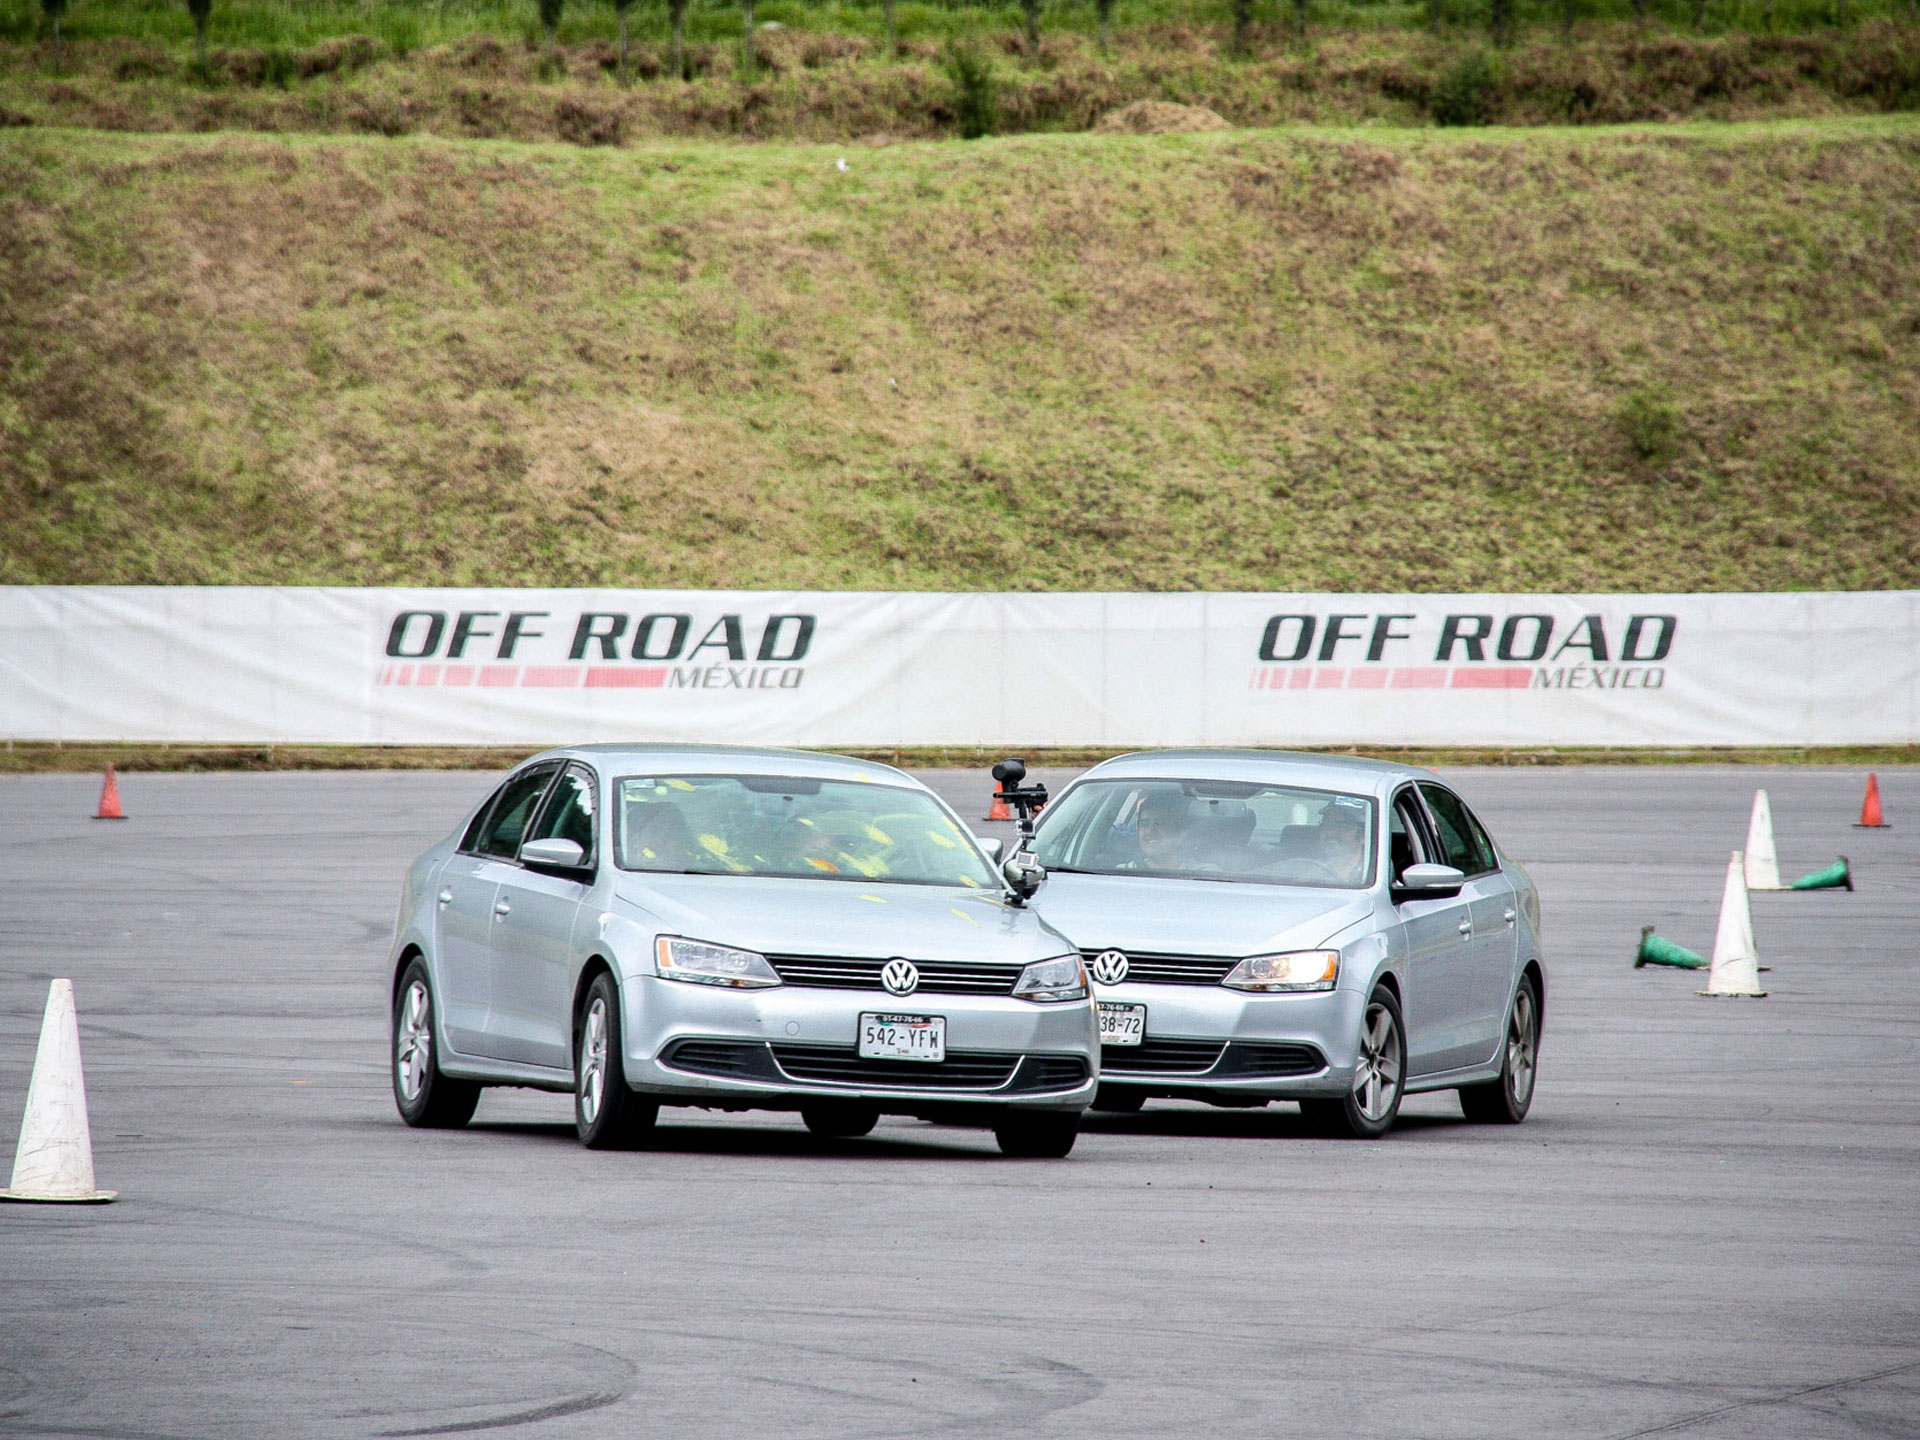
[[1537, 972], [407, 956], [596, 966]]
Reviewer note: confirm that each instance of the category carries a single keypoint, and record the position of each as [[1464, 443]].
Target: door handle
[[446, 898], [1466, 927], [1509, 915], [502, 908]]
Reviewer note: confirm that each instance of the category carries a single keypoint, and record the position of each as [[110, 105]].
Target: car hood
[[1195, 917], [830, 917]]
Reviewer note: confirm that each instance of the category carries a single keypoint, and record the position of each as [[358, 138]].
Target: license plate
[[903, 1037], [1122, 1024]]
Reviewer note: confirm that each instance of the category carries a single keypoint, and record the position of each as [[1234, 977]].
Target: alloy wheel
[[1376, 1080], [413, 1056], [593, 1061], [1522, 1040]]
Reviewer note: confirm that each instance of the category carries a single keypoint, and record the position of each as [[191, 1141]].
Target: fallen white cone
[[1763, 864], [1735, 969], [55, 1158]]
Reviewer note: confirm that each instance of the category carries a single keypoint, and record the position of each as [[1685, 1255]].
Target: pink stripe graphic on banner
[[1299, 679], [458, 675], [427, 675], [551, 677], [1504, 677], [1420, 677], [1367, 680], [499, 674], [1329, 677], [625, 677]]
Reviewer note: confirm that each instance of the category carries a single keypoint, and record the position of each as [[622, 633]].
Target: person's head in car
[[1161, 829], [1343, 841]]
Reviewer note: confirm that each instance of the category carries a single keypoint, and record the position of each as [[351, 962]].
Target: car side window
[[1406, 844], [507, 818], [569, 812], [1460, 841]]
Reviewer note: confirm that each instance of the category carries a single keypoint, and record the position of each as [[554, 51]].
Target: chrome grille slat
[[842, 1065]]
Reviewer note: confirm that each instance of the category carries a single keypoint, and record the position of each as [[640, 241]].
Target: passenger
[[659, 839]]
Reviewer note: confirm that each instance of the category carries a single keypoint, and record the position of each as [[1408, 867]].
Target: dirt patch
[[1159, 117]]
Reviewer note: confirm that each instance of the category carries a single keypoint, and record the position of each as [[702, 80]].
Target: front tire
[[427, 1099], [1037, 1137], [1506, 1101], [607, 1115], [1371, 1105]]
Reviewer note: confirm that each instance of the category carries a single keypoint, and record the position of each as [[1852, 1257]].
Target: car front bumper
[[1211, 1042], [779, 1047]]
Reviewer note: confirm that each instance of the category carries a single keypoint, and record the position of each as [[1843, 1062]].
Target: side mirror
[[996, 848], [557, 854], [1428, 882], [1023, 874]]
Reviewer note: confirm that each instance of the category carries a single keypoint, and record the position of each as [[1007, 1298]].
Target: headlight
[[699, 963], [1051, 980], [1302, 970]]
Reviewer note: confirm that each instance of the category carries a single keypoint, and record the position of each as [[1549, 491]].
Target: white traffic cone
[[55, 1158], [1763, 865], [1736, 964]]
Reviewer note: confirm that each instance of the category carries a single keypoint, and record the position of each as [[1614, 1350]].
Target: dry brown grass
[[1665, 360]]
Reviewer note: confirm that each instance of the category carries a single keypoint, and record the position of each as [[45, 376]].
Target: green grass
[[1680, 358]]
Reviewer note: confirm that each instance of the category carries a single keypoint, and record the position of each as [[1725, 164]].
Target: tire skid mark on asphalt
[[457, 1261], [1017, 1403], [528, 1410], [1701, 1417]]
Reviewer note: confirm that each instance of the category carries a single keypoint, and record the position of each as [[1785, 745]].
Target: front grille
[[1250, 1060], [734, 1059], [842, 1065], [1160, 1057], [1145, 969], [938, 977]]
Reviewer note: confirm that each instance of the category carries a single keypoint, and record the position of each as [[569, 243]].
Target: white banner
[[536, 667]]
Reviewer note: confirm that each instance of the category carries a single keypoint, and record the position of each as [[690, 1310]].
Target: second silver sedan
[[1265, 926]]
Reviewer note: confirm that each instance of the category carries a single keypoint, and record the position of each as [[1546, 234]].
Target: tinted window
[[569, 812], [1406, 844], [506, 821], [1211, 830], [1460, 840]]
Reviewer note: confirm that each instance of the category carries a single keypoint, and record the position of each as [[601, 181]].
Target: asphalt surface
[[1707, 1228]]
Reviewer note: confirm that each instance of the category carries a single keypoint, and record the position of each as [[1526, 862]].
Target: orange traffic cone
[[1870, 817], [109, 798], [999, 809]]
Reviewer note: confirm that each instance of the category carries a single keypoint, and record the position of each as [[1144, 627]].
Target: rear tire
[[839, 1119], [1116, 1101], [606, 1114], [1371, 1105], [1037, 1137], [427, 1099], [1506, 1101]]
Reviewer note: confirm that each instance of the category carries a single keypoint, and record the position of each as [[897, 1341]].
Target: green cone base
[[1837, 876], [1655, 950]]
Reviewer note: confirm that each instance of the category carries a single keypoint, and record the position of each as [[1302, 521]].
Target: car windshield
[[792, 826], [1211, 830]]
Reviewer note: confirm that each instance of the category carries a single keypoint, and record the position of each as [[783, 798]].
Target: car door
[[469, 887], [535, 914], [1487, 975], [1437, 933]]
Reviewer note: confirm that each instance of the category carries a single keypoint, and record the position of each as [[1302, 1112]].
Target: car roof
[[680, 759], [1281, 767]]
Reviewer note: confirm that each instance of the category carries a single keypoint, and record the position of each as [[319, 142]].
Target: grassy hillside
[[831, 86], [1685, 358]]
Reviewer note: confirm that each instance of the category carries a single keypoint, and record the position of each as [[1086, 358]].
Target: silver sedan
[[1265, 926], [733, 929]]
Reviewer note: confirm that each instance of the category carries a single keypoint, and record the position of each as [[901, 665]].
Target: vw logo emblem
[[1110, 967], [900, 977]]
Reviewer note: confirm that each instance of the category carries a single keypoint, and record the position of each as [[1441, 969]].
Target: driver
[[1341, 842], [1161, 830]]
